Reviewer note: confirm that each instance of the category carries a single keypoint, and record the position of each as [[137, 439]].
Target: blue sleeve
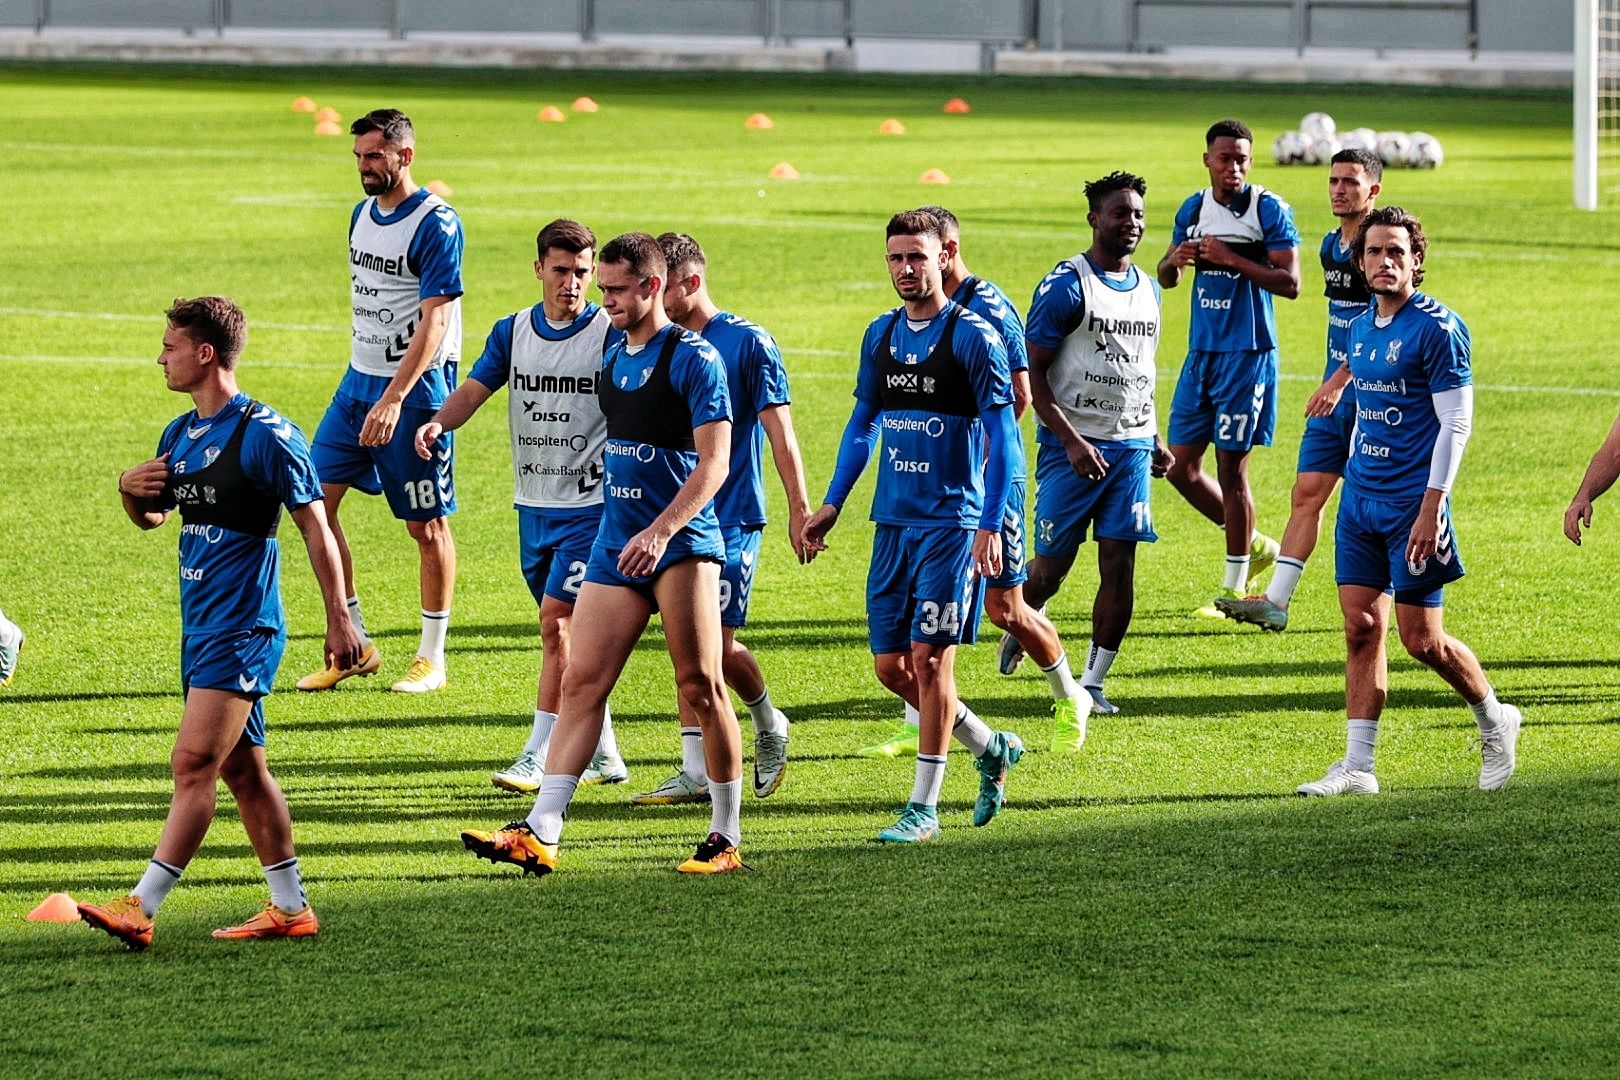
[[770, 382], [699, 374], [868, 386], [275, 456], [1447, 355], [854, 450], [1184, 218], [978, 349], [1002, 428], [435, 254], [1056, 305], [1277, 223], [354, 218], [494, 366], [1004, 317]]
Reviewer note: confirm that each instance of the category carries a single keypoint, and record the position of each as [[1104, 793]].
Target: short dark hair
[[681, 251], [395, 126], [211, 320], [947, 220], [1395, 217], [916, 223], [1370, 163], [638, 251], [1099, 189], [570, 236], [1228, 128]]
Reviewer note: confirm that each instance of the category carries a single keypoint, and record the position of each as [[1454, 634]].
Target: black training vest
[[223, 494], [937, 384], [1343, 281], [653, 413]]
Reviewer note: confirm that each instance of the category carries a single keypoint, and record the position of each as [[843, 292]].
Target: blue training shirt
[[986, 300], [229, 581], [1230, 313], [1396, 370], [757, 381]]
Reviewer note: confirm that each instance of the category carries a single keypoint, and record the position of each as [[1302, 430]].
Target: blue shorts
[[737, 575], [1225, 398], [553, 548], [1115, 507], [1370, 539], [603, 566], [1325, 446], [1014, 551], [242, 661], [921, 587], [417, 490]]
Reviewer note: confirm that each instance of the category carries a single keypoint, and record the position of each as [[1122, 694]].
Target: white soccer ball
[[1392, 147], [1361, 138], [1318, 125], [1320, 150], [1423, 151], [1289, 148]]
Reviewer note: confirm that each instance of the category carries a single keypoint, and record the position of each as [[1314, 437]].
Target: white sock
[[1098, 661], [155, 885], [764, 715], [930, 775], [1359, 739], [913, 717], [1284, 580], [608, 744], [435, 625], [1487, 713], [1064, 688], [725, 806], [692, 763], [355, 620], [540, 733], [550, 806], [1237, 572], [970, 731], [286, 886]]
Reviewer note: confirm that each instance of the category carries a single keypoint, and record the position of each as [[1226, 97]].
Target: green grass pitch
[[1160, 906]]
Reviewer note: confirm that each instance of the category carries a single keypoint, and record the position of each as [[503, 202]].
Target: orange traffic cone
[[328, 127], [550, 115], [57, 907], [440, 188], [585, 104], [934, 176], [759, 121], [957, 105], [783, 171], [303, 104], [891, 126], [328, 115]]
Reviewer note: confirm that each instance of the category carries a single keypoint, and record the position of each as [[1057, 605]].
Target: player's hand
[[1323, 400], [1423, 541], [797, 516], [1215, 251], [640, 555], [987, 552], [378, 430], [1086, 460], [343, 645], [1578, 514], [146, 480], [1186, 253], [813, 536], [426, 436], [1162, 461]]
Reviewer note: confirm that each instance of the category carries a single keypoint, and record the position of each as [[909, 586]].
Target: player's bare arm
[[383, 418], [139, 488], [1175, 262], [987, 552], [1325, 398], [640, 555], [1279, 274], [457, 409], [1021, 394], [1084, 458], [778, 424], [1163, 459], [1600, 476], [343, 644], [1424, 538]]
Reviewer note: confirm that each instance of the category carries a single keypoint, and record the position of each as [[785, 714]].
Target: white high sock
[[355, 620], [546, 819], [286, 886], [1237, 572], [970, 731], [725, 807], [155, 884], [1359, 739], [1064, 688], [435, 625], [764, 715], [540, 733], [692, 763], [1487, 713], [913, 717], [608, 743], [1284, 580], [1098, 661], [930, 775]]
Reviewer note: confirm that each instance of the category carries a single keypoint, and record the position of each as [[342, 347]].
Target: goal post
[[1588, 46]]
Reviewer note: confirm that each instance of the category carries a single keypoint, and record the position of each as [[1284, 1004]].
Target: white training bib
[[1103, 376], [557, 424], [387, 293]]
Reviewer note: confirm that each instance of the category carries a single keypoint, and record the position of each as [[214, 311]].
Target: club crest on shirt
[[210, 455], [1392, 352]]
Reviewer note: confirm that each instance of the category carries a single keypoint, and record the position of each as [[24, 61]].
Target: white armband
[[1455, 408]]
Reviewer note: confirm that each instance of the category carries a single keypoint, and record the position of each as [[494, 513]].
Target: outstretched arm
[[1600, 476], [854, 451], [457, 409]]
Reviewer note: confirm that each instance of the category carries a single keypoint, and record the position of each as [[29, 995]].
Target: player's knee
[[192, 766], [1425, 647], [434, 533], [1183, 473], [700, 691], [1000, 609], [1361, 629], [928, 664], [1309, 497], [892, 671]]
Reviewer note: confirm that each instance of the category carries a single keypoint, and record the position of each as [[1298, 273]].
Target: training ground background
[[1161, 905]]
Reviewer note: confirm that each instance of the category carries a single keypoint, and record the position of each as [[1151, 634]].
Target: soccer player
[[1241, 240], [11, 643], [1026, 630], [933, 378], [759, 410], [405, 282], [229, 466], [1600, 476], [1093, 332], [1354, 181], [663, 391], [1409, 359], [548, 355]]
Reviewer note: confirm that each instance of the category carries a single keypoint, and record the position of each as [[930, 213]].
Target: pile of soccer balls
[[1318, 139]]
